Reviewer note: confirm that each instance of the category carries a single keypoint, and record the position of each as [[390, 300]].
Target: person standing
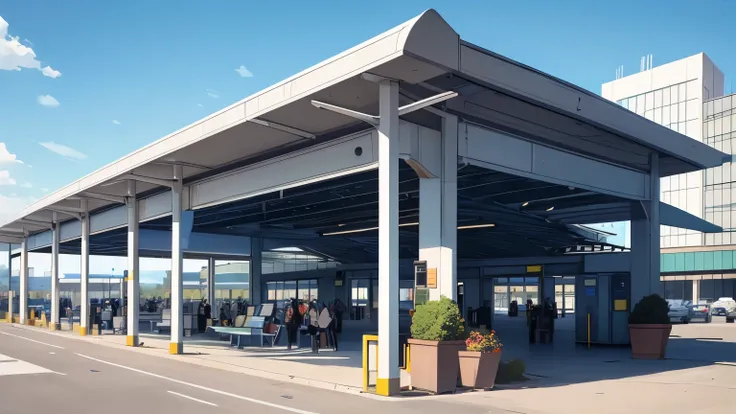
[[339, 310], [293, 320], [201, 317], [313, 327]]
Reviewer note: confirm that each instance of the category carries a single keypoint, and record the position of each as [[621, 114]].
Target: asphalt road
[[42, 373]]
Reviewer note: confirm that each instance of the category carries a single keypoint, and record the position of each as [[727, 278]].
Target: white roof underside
[[424, 54]]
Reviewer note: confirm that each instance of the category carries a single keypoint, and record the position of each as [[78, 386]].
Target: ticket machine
[[602, 308]]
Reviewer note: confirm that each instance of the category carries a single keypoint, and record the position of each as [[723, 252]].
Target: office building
[[687, 96]]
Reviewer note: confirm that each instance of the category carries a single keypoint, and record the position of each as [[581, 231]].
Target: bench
[[254, 327]]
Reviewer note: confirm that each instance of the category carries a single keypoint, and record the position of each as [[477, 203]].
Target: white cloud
[[63, 150], [244, 72], [116, 122], [26, 185], [212, 93], [48, 101], [51, 73], [16, 56], [6, 157], [6, 179], [12, 204]]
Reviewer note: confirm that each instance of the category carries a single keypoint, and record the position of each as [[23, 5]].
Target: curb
[[199, 361]]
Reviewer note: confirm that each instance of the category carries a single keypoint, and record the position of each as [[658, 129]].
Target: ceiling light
[[337, 233], [551, 208], [526, 203], [476, 226]]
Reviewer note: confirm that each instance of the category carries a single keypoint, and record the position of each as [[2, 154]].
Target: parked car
[[701, 311], [731, 316], [680, 310], [723, 306]]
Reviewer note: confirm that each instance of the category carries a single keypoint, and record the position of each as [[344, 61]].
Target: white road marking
[[200, 387], [193, 399], [13, 366], [32, 340]]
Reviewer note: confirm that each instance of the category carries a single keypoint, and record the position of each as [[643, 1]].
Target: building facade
[[687, 96]]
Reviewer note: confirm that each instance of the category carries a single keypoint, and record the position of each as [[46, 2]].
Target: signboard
[[590, 282], [534, 269], [432, 278], [590, 291], [420, 274]]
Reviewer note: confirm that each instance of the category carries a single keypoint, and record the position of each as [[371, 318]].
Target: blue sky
[[133, 71]]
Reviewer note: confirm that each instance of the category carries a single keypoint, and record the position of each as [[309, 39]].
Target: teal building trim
[[708, 261]]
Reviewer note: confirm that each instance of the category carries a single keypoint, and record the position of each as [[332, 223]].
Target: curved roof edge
[[416, 37]]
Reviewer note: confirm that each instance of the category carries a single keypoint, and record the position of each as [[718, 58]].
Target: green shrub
[[651, 309], [512, 371], [438, 320]]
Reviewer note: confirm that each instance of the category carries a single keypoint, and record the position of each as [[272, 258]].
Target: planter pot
[[478, 370], [435, 365], [649, 341]]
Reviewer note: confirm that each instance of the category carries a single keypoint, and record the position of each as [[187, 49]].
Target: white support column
[[256, 247], [133, 308], [696, 291], [645, 267], [438, 216], [55, 316], [388, 381], [177, 284], [23, 302], [84, 273]]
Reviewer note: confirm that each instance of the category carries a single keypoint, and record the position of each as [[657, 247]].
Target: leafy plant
[[512, 371], [652, 309], [438, 320], [483, 342]]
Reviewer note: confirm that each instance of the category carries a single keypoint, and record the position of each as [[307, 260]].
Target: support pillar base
[[52, 327], [131, 340], [82, 331], [388, 386], [176, 348]]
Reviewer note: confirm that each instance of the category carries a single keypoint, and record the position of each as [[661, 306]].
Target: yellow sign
[[534, 269], [620, 305], [432, 278]]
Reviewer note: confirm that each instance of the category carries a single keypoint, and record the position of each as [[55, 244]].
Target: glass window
[[649, 100], [675, 97], [657, 98], [666, 116], [692, 89], [681, 113], [665, 96], [673, 114], [632, 104], [640, 106], [290, 289], [658, 115]]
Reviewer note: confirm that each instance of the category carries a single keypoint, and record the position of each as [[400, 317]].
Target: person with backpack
[[338, 311]]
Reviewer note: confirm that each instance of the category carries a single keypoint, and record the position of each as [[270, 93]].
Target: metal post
[[133, 267], [84, 274], [55, 316], [177, 287], [23, 302], [388, 381]]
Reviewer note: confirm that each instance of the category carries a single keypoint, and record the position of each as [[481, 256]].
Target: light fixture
[[337, 233], [551, 208], [476, 226], [526, 203]]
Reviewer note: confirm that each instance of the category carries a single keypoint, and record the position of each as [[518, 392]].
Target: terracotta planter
[[478, 370], [649, 341], [435, 365]]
